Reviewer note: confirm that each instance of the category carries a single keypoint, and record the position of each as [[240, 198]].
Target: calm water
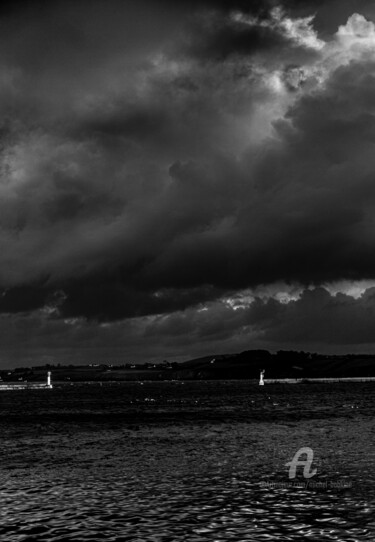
[[187, 462]]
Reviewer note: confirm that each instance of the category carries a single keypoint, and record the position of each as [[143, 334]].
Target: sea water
[[187, 461]]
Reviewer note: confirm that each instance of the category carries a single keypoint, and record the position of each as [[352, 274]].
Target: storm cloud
[[157, 159]]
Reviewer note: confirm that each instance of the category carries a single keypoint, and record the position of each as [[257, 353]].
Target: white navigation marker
[[49, 385], [261, 380]]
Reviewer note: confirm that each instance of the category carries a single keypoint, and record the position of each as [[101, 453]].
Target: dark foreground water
[[187, 462]]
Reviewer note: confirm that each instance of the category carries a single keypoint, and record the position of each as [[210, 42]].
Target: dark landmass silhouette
[[244, 365]]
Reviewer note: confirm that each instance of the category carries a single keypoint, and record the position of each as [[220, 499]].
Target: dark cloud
[[317, 321], [321, 319], [218, 37], [320, 177], [157, 157], [106, 299], [23, 299]]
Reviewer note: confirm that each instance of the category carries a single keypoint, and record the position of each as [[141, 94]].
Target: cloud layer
[[155, 160]]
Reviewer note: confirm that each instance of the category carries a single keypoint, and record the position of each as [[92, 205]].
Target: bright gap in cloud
[[285, 293], [353, 289]]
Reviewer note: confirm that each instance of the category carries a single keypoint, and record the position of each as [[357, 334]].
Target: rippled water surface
[[187, 462]]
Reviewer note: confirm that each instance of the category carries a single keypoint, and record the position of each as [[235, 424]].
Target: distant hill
[[243, 365], [283, 364]]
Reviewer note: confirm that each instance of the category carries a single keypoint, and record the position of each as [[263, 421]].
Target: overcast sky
[[185, 178]]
